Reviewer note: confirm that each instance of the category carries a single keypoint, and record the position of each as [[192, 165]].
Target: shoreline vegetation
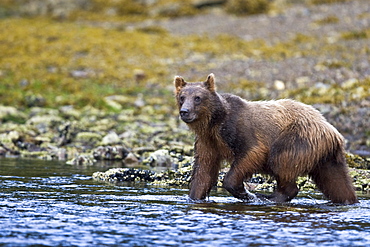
[[91, 81]]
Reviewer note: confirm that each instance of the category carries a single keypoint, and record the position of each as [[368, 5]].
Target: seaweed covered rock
[[356, 161], [131, 174], [361, 180], [179, 177], [10, 113]]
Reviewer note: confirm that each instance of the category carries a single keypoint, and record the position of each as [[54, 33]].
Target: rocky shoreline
[[181, 178], [153, 149], [124, 111]]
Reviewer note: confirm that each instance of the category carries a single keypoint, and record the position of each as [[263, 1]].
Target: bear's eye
[[182, 99], [197, 99]]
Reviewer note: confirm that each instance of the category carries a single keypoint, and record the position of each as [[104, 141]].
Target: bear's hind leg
[[335, 183], [284, 192]]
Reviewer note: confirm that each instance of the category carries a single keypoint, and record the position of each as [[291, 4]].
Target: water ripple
[[65, 210]]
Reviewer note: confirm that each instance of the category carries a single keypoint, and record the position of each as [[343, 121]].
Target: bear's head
[[194, 100]]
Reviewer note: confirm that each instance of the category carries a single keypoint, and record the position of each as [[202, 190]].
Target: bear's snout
[[185, 115], [184, 112]]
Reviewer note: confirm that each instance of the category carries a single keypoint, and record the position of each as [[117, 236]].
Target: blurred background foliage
[[77, 52], [57, 53]]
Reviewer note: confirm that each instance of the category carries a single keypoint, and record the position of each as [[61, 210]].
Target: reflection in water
[[49, 203]]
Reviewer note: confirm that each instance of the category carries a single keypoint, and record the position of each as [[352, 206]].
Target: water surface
[[48, 203]]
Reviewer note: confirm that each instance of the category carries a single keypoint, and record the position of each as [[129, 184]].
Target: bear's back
[[285, 110], [269, 118]]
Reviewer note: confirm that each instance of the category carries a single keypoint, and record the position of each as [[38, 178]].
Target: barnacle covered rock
[[178, 177], [125, 175], [357, 161]]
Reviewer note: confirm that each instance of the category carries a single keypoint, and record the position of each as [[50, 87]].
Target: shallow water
[[48, 203]]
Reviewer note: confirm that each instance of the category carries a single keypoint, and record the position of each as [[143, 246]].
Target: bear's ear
[[210, 83], [179, 83]]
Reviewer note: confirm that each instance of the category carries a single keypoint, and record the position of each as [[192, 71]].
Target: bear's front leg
[[204, 175], [233, 182]]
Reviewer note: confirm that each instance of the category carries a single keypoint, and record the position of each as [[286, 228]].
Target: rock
[[180, 177], [139, 102], [56, 153], [119, 99], [113, 104], [61, 153], [356, 161], [170, 9], [279, 85], [40, 154], [125, 175], [87, 137], [139, 75], [350, 83], [35, 100], [110, 153], [199, 4], [111, 138], [67, 132], [131, 160], [7, 142], [43, 111], [102, 125], [81, 160], [361, 179], [54, 8], [13, 135], [159, 158], [41, 139], [69, 112], [80, 73], [245, 7], [9, 113], [43, 123], [3, 151], [302, 81]]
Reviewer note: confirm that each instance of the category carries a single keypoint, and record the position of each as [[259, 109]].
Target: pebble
[[279, 85]]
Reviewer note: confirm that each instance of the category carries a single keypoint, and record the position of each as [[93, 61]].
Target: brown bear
[[282, 138]]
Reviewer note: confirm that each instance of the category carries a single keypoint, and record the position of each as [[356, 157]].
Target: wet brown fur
[[282, 138]]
